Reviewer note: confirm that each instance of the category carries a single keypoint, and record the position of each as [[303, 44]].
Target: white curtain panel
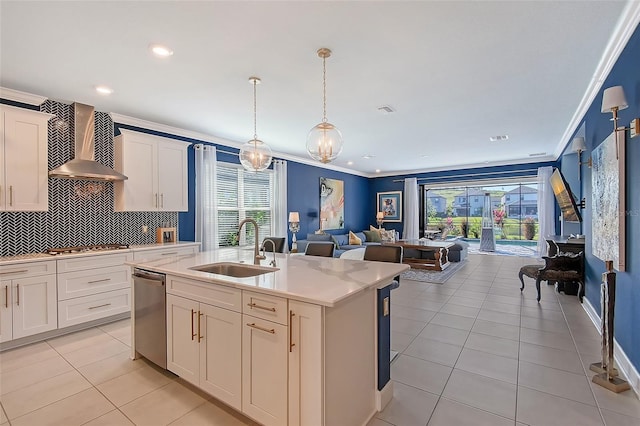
[[280, 214], [546, 209], [411, 210], [206, 200]]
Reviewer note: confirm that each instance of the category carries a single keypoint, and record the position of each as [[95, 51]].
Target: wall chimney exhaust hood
[[83, 166]]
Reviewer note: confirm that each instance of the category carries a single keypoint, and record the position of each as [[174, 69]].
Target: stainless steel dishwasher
[[150, 315]]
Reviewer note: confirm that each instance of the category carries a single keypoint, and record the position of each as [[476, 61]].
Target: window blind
[[242, 194]]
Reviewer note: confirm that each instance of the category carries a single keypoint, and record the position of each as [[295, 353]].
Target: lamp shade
[[294, 217], [380, 215], [578, 144], [613, 97]]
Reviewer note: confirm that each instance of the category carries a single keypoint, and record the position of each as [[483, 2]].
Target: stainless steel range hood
[[83, 166]]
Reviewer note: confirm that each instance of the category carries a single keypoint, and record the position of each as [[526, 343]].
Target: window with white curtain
[[242, 194]]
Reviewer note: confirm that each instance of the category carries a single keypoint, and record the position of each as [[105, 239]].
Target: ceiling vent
[[386, 110], [499, 138], [537, 154]]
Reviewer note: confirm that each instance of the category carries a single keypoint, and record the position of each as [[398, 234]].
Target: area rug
[[435, 277]]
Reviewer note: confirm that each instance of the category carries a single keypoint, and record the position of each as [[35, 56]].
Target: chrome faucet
[[273, 246], [256, 255]]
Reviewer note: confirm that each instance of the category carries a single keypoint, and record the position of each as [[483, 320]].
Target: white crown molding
[[511, 162], [627, 24], [621, 359], [176, 131], [23, 97]]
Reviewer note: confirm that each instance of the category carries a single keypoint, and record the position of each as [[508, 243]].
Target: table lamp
[[294, 226], [379, 219]]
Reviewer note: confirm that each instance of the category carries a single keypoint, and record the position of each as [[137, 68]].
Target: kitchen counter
[[314, 279], [37, 257]]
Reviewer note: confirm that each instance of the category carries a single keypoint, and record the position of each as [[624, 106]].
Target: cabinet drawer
[[25, 270], [154, 254], [88, 308], [272, 308], [92, 281], [93, 261], [212, 294]]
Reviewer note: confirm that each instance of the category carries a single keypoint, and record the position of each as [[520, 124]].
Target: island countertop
[[314, 279]]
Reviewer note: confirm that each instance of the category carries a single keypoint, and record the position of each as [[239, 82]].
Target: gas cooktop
[[86, 249]]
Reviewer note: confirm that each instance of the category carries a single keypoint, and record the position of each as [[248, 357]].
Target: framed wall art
[[390, 204], [331, 203], [608, 210]]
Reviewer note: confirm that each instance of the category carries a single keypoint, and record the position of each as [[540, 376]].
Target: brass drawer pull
[[14, 272], [253, 305], [162, 200], [6, 296], [169, 254], [200, 337], [291, 344], [253, 325], [99, 306], [192, 333], [18, 294], [98, 281], [10, 195]]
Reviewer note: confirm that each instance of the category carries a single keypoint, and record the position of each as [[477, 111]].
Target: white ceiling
[[456, 72]]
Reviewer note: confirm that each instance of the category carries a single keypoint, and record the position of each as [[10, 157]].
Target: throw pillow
[[354, 240], [388, 236], [373, 236]]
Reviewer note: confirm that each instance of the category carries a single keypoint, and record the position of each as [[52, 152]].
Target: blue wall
[[384, 184], [303, 195], [625, 73]]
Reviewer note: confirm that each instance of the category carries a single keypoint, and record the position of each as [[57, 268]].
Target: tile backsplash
[[80, 212]]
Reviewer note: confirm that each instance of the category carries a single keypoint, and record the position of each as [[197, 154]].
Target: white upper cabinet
[[157, 172], [23, 160]]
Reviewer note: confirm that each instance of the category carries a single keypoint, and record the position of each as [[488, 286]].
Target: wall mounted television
[[565, 198]]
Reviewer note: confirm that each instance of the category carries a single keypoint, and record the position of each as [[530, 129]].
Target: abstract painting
[[608, 212], [331, 204]]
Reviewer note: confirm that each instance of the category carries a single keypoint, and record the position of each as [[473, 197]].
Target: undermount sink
[[236, 270]]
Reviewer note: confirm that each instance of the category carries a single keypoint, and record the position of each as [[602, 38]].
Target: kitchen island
[[304, 343]]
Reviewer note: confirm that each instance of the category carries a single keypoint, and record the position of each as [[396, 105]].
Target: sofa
[[457, 253], [341, 241]]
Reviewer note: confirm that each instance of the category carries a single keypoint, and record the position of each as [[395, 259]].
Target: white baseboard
[[623, 363]]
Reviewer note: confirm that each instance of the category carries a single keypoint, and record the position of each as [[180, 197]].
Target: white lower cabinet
[[305, 364], [264, 370], [204, 347], [267, 361], [28, 302], [93, 287]]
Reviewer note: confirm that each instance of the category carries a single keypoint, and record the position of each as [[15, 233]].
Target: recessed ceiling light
[[537, 154], [104, 90], [425, 156], [350, 163], [368, 156], [499, 138], [160, 50], [378, 170]]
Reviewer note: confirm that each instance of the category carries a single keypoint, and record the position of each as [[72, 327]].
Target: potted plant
[[529, 228]]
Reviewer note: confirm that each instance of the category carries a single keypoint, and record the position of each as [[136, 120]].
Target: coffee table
[[437, 261]]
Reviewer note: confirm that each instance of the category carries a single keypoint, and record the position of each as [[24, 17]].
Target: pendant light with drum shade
[[324, 142], [255, 155]]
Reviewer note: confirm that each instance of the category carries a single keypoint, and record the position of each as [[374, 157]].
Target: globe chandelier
[[255, 155], [324, 141]]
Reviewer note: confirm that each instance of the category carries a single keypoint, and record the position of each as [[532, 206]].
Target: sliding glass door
[[458, 210]]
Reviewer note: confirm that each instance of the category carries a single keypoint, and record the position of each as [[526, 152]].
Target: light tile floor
[[473, 351]]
